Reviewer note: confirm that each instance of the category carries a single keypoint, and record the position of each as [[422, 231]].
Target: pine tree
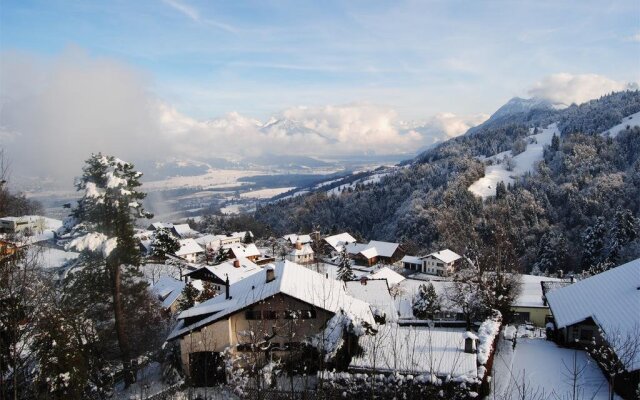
[[208, 291], [501, 190], [164, 243], [427, 303], [624, 230], [247, 238], [102, 228], [593, 244], [555, 143], [345, 273], [189, 297]]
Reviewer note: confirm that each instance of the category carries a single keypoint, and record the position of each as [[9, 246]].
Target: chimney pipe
[[298, 245], [271, 273], [236, 263], [470, 342], [227, 289]]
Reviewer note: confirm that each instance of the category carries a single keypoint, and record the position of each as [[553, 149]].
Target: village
[[309, 312]]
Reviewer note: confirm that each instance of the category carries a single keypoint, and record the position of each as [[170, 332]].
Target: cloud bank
[[54, 114], [567, 88]]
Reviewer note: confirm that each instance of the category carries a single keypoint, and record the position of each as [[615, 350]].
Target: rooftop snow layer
[[611, 299]]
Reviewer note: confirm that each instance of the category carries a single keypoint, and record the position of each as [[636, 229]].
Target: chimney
[[298, 245], [236, 263], [363, 281], [470, 342], [227, 288], [271, 273]]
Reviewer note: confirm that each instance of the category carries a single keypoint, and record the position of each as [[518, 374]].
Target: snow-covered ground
[[51, 258], [265, 193], [545, 369], [630, 121], [375, 178], [214, 178], [523, 163]]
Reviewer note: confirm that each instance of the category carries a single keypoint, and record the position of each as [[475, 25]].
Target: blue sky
[[259, 57]]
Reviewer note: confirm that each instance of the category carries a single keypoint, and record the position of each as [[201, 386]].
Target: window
[[269, 314], [586, 334], [300, 314], [245, 347], [252, 315]]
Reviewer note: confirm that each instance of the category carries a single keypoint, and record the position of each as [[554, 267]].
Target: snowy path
[[545, 370], [524, 162]]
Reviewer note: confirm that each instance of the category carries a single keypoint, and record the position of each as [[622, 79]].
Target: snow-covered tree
[[208, 291], [552, 252], [101, 227], [345, 273], [624, 230], [188, 298], [593, 244], [427, 302], [247, 238], [164, 243]]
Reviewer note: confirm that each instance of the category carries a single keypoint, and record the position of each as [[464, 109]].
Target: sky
[[192, 78]]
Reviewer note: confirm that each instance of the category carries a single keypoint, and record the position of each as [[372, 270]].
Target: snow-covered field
[[630, 121], [375, 178], [545, 369], [523, 163], [214, 178], [265, 193]]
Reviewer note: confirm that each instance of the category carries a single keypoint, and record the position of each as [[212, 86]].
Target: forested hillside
[[584, 199]]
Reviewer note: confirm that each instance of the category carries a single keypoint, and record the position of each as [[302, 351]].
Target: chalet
[[266, 304], [228, 272], [168, 290], [155, 226], [249, 251], [189, 250], [25, 224], [184, 231], [293, 238], [336, 243], [440, 263], [530, 305], [603, 308], [374, 252], [301, 254]]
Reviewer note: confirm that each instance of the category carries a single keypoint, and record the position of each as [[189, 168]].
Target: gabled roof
[[355, 248], [240, 251], [531, 291], [384, 249], [290, 279], [188, 246], [206, 239], [611, 299], [184, 230], [338, 241], [293, 238], [412, 260], [305, 250], [227, 269], [392, 277], [160, 225], [446, 256], [168, 289], [376, 293]]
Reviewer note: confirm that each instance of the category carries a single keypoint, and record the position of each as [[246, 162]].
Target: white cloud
[[568, 88], [57, 113]]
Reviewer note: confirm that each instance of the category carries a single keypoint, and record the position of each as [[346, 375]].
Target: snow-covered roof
[[376, 293], [305, 250], [531, 291], [292, 280], [392, 277], [355, 248], [384, 249], [611, 299], [244, 251], [227, 269], [446, 256], [168, 290], [293, 238], [206, 239], [160, 225], [188, 246], [412, 260], [416, 350], [184, 230], [338, 241], [370, 252]]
